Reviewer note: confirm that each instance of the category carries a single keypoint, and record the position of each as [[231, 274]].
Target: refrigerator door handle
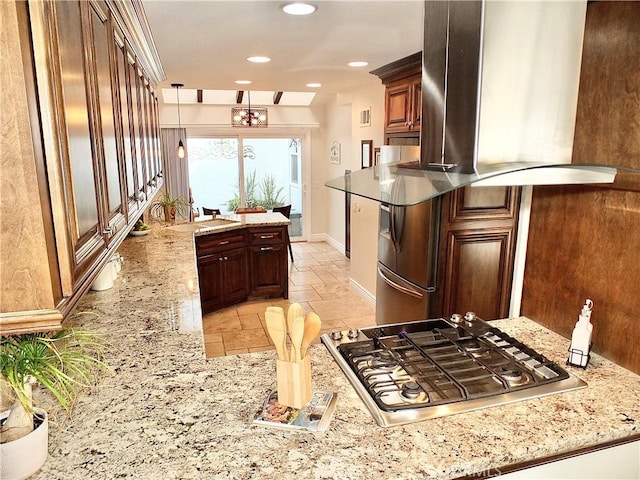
[[400, 288], [392, 227]]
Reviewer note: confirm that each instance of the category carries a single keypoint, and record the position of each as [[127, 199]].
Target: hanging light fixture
[[248, 117], [181, 151]]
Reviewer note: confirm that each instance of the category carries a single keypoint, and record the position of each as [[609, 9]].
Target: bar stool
[[286, 211]]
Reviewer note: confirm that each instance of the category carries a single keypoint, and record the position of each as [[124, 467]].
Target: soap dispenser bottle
[[581, 337]]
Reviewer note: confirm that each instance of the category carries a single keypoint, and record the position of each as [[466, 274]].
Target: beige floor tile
[[261, 349], [336, 309], [299, 288], [360, 322], [304, 278], [255, 337], [239, 351], [253, 307], [224, 324], [250, 321], [304, 296], [214, 349], [212, 337]]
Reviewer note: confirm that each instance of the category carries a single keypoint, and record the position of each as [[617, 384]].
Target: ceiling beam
[[276, 97], [199, 96], [239, 95]]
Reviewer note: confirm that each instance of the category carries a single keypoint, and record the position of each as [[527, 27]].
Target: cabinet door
[[83, 201], [267, 275], [398, 107], [210, 269], [113, 178], [477, 247], [235, 280]]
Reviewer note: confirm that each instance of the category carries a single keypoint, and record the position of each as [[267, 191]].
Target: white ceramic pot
[[23, 457], [104, 280]]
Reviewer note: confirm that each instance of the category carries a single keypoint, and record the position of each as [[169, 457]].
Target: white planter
[[24, 457]]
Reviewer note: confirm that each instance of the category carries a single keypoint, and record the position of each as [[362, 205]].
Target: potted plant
[[166, 207], [64, 363]]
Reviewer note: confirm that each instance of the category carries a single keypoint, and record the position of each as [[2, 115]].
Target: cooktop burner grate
[[434, 363]]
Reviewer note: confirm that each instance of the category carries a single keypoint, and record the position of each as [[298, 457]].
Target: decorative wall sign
[[335, 152], [366, 153]]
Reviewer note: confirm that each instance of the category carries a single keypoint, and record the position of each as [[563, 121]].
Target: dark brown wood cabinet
[[403, 99], [268, 261], [476, 251], [235, 265]]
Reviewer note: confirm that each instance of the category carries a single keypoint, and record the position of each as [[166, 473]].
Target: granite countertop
[[166, 412], [207, 225]]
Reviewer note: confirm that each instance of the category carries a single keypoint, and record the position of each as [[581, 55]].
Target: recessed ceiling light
[[358, 64], [259, 59], [299, 8], [243, 82], [314, 85]]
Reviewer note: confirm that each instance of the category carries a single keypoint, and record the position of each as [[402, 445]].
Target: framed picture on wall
[[335, 152], [366, 153]]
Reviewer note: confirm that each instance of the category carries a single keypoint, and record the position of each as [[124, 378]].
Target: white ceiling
[[204, 44]]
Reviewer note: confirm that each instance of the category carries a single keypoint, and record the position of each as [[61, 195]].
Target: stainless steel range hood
[[499, 96]]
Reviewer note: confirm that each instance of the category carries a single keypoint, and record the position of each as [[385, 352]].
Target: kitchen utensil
[[295, 310], [312, 325], [297, 334], [277, 330]]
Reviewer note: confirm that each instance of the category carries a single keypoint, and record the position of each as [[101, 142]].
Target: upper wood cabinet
[[403, 98], [87, 108]]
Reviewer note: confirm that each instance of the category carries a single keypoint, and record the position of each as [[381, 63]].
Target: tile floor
[[318, 281]]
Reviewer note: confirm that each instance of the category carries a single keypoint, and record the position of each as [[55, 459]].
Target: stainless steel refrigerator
[[407, 254]]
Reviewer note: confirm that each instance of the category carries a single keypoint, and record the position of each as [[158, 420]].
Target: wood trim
[[403, 68], [24, 322], [514, 467]]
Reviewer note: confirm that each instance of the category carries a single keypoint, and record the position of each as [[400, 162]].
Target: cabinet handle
[[223, 243], [266, 236], [226, 258], [264, 249]]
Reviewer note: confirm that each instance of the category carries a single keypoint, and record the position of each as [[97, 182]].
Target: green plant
[[64, 362], [271, 193], [166, 207], [250, 185]]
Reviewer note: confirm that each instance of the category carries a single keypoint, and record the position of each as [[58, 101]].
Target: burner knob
[[470, 317], [337, 335], [353, 333], [456, 318]]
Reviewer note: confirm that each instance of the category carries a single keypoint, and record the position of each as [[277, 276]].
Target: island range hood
[[499, 97]]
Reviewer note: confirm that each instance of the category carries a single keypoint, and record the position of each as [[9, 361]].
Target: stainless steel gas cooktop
[[409, 372]]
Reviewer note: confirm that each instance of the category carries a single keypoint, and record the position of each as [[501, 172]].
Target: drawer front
[[219, 242], [266, 236]]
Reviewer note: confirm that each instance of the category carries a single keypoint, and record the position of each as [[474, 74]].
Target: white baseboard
[[366, 294], [323, 237]]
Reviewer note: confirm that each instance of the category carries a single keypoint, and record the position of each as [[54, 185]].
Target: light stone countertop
[[207, 225], [166, 412]]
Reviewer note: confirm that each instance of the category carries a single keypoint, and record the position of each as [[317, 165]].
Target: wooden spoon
[[277, 330], [295, 311], [297, 335], [312, 325]]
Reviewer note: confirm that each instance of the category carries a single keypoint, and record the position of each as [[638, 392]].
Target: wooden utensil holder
[[294, 382]]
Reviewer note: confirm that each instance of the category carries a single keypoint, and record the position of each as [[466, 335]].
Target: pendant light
[[181, 151], [248, 117]]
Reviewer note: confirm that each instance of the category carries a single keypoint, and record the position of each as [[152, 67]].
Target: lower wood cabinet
[[223, 279], [232, 266], [477, 246]]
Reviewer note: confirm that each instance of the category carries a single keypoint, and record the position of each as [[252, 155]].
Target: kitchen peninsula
[[168, 413], [239, 256]]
